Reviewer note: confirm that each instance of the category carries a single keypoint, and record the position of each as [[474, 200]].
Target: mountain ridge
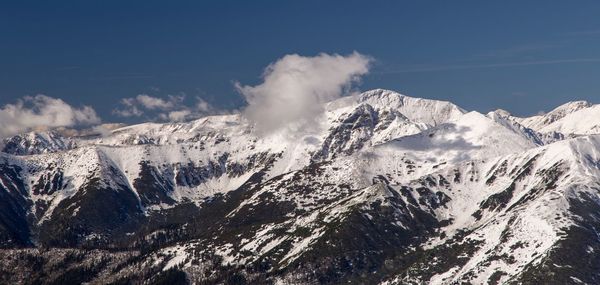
[[391, 189]]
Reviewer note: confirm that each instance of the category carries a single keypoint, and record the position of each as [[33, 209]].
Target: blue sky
[[523, 56]]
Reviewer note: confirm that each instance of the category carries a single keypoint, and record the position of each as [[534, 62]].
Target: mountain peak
[[542, 122], [428, 111], [571, 106], [379, 93], [501, 112]]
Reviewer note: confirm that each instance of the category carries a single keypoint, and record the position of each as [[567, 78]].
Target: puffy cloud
[[295, 88], [171, 108], [42, 112]]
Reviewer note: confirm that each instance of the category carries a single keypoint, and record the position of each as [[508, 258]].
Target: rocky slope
[[392, 190]]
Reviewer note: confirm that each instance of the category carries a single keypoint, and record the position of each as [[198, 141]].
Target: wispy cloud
[[432, 68], [121, 77], [584, 33], [66, 68], [520, 50], [169, 108]]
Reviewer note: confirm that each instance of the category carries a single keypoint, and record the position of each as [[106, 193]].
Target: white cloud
[[295, 88], [130, 111], [171, 108], [153, 103], [203, 106], [42, 112], [133, 107], [180, 115]]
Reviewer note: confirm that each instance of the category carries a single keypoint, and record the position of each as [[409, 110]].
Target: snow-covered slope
[[471, 136], [392, 189], [37, 143], [570, 119], [582, 122], [540, 121]]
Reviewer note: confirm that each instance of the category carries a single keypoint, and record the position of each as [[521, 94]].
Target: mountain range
[[385, 189]]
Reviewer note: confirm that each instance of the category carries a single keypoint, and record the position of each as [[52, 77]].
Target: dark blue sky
[[524, 56]]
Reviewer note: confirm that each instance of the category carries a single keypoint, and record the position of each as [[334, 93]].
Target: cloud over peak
[[42, 112], [295, 87]]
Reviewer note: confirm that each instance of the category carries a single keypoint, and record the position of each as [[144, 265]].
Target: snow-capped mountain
[[391, 190]]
